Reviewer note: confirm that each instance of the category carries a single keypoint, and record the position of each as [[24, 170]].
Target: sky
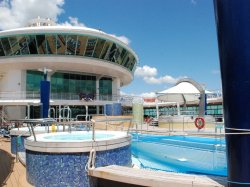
[[173, 38]]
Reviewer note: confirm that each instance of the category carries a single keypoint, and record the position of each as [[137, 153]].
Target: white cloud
[[124, 39], [73, 21], [149, 75], [146, 71], [167, 79], [17, 13]]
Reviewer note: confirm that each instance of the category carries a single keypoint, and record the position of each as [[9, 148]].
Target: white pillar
[[28, 111], [97, 88], [178, 109], [157, 109], [116, 84], [87, 112]]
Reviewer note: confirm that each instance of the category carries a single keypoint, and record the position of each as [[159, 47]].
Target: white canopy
[[185, 91], [181, 88]]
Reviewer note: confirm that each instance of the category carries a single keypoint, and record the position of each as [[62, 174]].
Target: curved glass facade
[[67, 44], [69, 86]]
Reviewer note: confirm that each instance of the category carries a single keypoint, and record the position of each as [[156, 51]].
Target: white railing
[[21, 95]]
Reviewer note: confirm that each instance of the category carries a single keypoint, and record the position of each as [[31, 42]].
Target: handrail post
[[93, 130]]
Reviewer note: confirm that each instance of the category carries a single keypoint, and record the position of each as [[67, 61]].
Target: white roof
[[181, 93], [182, 88]]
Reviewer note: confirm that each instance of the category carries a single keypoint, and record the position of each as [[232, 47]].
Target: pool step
[[143, 177]]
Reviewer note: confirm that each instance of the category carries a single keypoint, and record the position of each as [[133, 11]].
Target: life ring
[[199, 122]]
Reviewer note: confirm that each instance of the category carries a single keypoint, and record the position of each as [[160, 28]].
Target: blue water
[[73, 136], [185, 154]]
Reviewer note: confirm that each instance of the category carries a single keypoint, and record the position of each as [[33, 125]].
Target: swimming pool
[[185, 154], [79, 136]]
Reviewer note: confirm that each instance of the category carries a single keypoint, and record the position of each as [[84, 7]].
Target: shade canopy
[[186, 91]]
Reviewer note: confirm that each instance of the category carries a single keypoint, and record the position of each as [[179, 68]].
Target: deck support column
[[233, 29]]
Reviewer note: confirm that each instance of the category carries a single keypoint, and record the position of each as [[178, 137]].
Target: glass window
[[41, 44], [98, 48], [31, 40], [71, 44], [132, 64], [126, 60], [1, 49], [105, 86], [81, 45], [124, 54], [15, 46], [61, 44], [6, 46], [51, 44], [90, 47], [106, 50], [73, 83], [112, 52], [23, 45], [33, 79], [119, 55], [53, 82]]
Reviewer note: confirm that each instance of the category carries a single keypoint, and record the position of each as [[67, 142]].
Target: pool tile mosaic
[[14, 144], [68, 169]]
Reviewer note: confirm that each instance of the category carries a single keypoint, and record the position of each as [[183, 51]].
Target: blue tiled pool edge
[[68, 169], [14, 146]]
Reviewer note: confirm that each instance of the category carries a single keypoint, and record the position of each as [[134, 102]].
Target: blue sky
[[177, 37], [172, 38]]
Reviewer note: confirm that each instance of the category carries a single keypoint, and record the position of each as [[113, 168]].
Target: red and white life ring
[[199, 122]]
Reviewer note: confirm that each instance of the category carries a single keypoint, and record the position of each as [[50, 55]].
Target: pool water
[[80, 137], [185, 154]]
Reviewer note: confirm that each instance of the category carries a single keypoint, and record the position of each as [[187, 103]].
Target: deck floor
[[17, 175]]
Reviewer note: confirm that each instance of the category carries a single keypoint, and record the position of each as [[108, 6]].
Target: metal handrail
[[108, 120], [32, 122]]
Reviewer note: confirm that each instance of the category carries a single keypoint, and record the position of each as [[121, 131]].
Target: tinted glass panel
[[51, 44], [81, 45], [1, 49], [90, 47], [124, 55], [33, 79], [98, 48], [61, 44], [6, 46], [23, 45], [111, 56], [118, 55], [31, 40], [71, 44], [132, 64], [15, 46], [73, 83], [105, 86], [41, 44], [126, 60], [106, 50]]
